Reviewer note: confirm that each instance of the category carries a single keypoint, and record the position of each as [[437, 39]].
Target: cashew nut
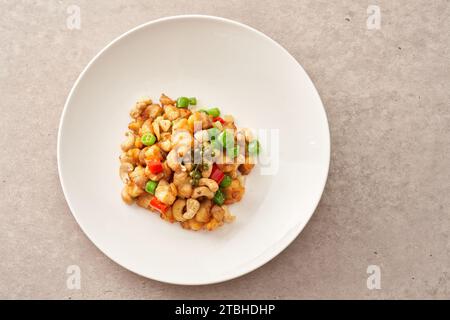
[[165, 124], [180, 124], [166, 171], [138, 143], [166, 145], [153, 152], [129, 142], [126, 196], [192, 207], [139, 107], [188, 166], [181, 138], [134, 191], [165, 100], [227, 217], [138, 177], [142, 156], [182, 150], [177, 209], [146, 127], [213, 224], [184, 112], [155, 126], [171, 112], [194, 225], [185, 190], [168, 216], [135, 125], [166, 136], [210, 183], [172, 160], [218, 213], [133, 156], [246, 167], [165, 192], [202, 192], [125, 169], [227, 165], [153, 111], [200, 117], [144, 200], [180, 178], [228, 118], [124, 157], [207, 172], [233, 174], [203, 213]]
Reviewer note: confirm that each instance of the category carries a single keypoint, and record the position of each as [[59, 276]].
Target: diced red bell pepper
[[155, 166], [219, 119], [158, 205], [216, 174]]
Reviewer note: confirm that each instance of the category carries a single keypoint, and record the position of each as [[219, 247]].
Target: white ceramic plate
[[223, 63]]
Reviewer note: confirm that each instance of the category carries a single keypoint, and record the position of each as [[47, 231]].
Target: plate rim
[[265, 256]]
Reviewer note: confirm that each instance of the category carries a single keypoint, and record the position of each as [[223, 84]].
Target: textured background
[[387, 95]]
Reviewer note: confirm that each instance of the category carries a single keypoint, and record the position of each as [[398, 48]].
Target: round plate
[[223, 63]]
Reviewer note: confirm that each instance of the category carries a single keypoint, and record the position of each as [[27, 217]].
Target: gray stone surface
[[387, 95]]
